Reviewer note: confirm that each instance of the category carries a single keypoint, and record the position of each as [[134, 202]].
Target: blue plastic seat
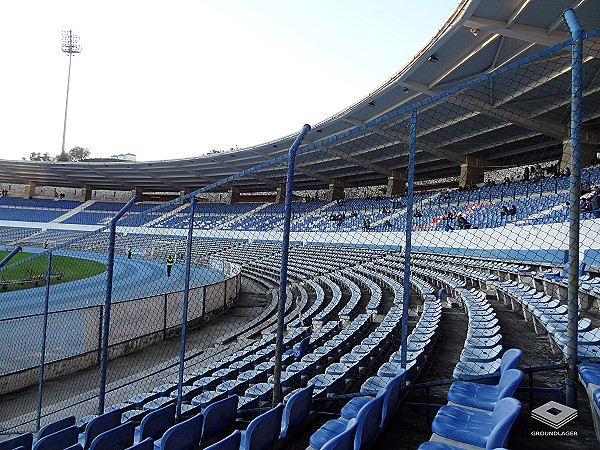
[[146, 444], [296, 410], [119, 437], [391, 400], [263, 431], [261, 390], [231, 442], [206, 398], [183, 436], [24, 440], [483, 396], [56, 426], [589, 373], [300, 349], [368, 420], [344, 440], [156, 423], [219, 418], [187, 392], [99, 425], [61, 439], [482, 429]]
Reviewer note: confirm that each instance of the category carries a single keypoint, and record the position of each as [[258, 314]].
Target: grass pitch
[[33, 273]]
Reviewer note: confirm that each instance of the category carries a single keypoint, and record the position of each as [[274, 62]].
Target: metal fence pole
[[575, 189], [108, 300], [44, 334], [409, 214], [8, 257], [186, 293], [284, 261]]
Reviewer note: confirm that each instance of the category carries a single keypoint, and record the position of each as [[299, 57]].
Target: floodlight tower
[[70, 45]]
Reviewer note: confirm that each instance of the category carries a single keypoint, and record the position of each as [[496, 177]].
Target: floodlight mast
[[70, 45]]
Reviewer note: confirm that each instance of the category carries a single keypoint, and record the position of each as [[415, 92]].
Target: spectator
[[595, 205], [512, 211], [586, 188], [585, 205], [504, 211], [366, 223], [462, 223], [526, 174], [387, 224], [418, 213]]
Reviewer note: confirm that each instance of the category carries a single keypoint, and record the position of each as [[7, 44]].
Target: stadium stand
[[196, 339]]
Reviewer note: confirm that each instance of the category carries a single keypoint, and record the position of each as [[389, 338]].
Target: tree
[[79, 153], [35, 156], [63, 157]]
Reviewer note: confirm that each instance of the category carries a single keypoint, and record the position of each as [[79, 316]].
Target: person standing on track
[[129, 250], [169, 265]]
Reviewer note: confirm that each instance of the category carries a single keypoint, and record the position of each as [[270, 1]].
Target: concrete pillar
[[280, 195], [588, 153], [335, 191], [186, 190], [397, 183], [470, 173], [29, 190], [86, 193], [233, 196]]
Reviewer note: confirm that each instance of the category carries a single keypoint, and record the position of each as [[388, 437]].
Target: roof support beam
[[322, 178], [64, 173], [510, 114], [256, 175], [177, 187], [516, 31], [125, 184], [195, 173]]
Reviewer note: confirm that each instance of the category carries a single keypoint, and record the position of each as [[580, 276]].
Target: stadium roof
[[497, 126]]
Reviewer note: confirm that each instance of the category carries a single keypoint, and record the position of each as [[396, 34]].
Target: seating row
[[549, 314], [482, 347], [478, 416]]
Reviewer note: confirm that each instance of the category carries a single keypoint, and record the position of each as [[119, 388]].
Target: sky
[[177, 79]]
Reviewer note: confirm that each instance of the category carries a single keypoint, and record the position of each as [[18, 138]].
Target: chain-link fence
[[185, 302]]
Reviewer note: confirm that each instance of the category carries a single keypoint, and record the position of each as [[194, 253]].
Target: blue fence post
[[108, 299], [186, 292], [44, 334], [284, 262], [575, 188], [8, 257], [407, 247]]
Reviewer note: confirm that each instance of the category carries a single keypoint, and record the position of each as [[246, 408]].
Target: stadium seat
[[56, 441], [99, 425], [344, 440], [219, 418], [56, 426], [156, 423], [483, 396], [24, 440], [296, 410], [391, 393], [119, 437], [263, 432], [299, 350], [368, 420], [509, 360], [481, 429], [146, 444], [184, 435], [231, 442]]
